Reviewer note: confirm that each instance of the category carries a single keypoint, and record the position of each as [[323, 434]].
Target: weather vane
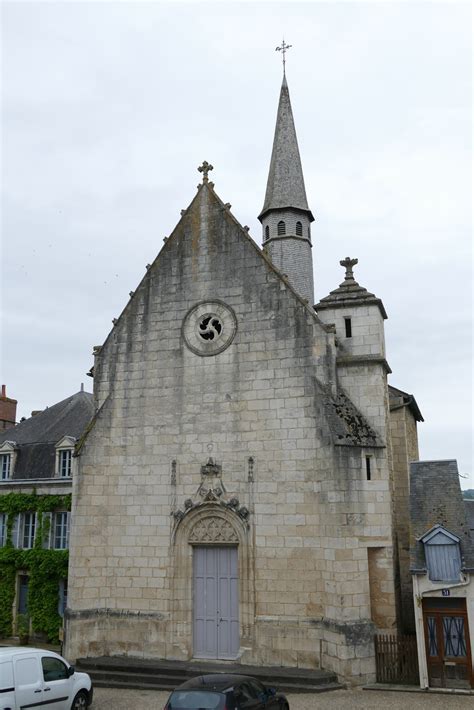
[[283, 49]]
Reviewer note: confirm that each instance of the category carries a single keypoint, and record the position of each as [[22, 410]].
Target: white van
[[33, 677]]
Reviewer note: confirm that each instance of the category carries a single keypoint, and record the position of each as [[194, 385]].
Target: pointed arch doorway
[[198, 579], [215, 602]]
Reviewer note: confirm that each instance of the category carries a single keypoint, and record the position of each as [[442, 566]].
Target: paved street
[[113, 699]]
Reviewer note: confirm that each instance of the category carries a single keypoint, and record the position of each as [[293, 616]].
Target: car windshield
[[195, 700]]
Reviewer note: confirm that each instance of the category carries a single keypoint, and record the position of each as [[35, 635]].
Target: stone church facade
[[238, 488]]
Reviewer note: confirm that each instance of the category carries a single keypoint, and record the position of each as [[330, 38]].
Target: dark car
[[223, 691]]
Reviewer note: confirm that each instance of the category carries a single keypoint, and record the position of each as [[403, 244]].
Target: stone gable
[[214, 394]]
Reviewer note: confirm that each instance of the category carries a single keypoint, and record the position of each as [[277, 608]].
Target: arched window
[[281, 228], [299, 229], [267, 232]]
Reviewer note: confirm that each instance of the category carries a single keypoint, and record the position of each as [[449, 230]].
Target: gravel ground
[[113, 699]]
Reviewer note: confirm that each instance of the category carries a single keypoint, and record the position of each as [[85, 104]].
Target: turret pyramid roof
[[350, 293]]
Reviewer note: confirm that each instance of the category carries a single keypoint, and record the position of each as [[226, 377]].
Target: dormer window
[[65, 463], [299, 229], [5, 466], [7, 450], [442, 554], [64, 459], [281, 228]]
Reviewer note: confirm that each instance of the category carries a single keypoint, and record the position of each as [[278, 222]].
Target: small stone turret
[[285, 217], [361, 365]]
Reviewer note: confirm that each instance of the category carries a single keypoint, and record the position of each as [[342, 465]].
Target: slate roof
[[285, 184], [350, 293], [36, 437], [399, 398], [469, 506], [436, 499]]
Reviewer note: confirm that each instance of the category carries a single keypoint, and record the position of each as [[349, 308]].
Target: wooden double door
[[448, 648], [215, 602]]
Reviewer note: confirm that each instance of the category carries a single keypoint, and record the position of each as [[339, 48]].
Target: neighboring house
[[442, 564], [36, 472], [239, 489]]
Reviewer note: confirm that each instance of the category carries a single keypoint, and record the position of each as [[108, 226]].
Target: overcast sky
[[109, 107]]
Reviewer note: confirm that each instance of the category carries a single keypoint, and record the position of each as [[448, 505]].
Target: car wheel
[[80, 701], [284, 706]]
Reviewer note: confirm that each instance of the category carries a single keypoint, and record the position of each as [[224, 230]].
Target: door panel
[[215, 603], [447, 643], [28, 681], [57, 686]]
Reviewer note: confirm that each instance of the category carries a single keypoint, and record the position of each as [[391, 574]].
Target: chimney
[[7, 410]]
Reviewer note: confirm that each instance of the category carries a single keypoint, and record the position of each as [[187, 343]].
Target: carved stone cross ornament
[[349, 263], [205, 168]]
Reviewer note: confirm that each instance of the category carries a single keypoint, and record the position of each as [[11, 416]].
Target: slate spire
[[285, 217], [285, 184]]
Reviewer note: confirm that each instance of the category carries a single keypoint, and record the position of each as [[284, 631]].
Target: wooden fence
[[396, 659]]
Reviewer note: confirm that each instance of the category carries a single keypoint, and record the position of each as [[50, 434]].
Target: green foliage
[[45, 568], [468, 494], [23, 625], [7, 594]]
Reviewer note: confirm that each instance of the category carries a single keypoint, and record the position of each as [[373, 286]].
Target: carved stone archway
[[209, 524]]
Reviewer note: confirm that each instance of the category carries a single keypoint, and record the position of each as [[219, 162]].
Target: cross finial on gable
[[204, 169], [348, 263], [283, 49]]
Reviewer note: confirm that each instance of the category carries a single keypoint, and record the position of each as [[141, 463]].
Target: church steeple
[[285, 215]]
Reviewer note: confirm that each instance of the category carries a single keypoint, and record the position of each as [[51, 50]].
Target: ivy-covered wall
[[45, 568]]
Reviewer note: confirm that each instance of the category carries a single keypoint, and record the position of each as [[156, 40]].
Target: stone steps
[[145, 674]]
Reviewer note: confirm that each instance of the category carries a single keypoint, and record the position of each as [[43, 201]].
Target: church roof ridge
[[209, 186], [285, 183]]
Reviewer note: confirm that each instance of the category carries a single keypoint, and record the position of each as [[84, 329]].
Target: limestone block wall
[[367, 325], [304, 515], [403, 433], [366, 385]]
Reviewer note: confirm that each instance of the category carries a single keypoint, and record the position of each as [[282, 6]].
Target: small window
[[61, 531], [281, 227], [299, 229], [62, 600], [267, 232], [5, 466], [368, 467], [65, 463], [348, 326], [28, 530], [3, 529]]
